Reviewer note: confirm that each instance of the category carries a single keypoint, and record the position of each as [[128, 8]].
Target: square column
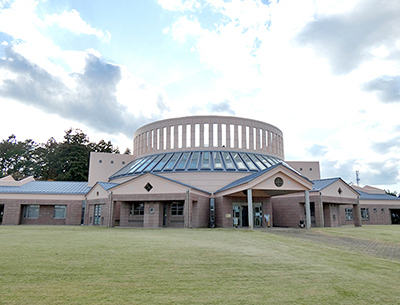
[[250, 207], [357, 215], [308, 211]]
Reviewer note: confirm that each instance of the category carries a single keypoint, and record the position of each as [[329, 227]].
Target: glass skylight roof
[[198, 161]]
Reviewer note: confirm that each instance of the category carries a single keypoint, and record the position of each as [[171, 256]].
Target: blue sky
[[327, 73]]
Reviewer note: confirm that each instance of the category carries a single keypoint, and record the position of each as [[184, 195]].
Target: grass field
[[93, 265]]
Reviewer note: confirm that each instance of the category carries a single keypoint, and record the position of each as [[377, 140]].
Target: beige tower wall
[[103, 165], [208, 132]]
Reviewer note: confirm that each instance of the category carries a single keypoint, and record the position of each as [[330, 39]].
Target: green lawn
[[89, 265], [389, 234]]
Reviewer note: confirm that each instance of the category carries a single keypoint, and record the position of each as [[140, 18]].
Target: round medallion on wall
[[278, 181], [151, 210]]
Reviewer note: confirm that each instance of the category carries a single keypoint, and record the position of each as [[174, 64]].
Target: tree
[[19, 159], [72, 161], [67, 160], [49, 155], [391, 193], [103, 146]]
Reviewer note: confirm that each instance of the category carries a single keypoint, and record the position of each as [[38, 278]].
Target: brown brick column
[[357, 214]]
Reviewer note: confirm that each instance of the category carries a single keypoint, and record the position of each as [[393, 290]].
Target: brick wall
[[287, 212], [13, 212], [201, 212], [378, 214]]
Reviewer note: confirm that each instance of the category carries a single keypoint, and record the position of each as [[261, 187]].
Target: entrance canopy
[[277, 180]]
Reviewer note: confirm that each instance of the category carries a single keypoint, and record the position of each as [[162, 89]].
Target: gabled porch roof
[[264, 180]]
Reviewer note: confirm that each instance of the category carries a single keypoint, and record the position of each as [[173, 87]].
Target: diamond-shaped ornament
[[148, 187]]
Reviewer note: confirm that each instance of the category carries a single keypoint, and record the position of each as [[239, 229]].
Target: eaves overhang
[[112, 188]]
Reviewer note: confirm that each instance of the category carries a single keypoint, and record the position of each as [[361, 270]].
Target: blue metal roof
[[367, 196], [251, 177], [48, 187], [107, 185], [323, 183]]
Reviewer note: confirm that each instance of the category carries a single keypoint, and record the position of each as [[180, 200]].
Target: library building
[[198, 172]]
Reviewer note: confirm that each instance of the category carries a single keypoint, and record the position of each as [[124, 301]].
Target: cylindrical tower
[[208, 133]]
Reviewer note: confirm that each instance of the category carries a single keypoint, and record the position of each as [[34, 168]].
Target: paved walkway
[[373, 248]]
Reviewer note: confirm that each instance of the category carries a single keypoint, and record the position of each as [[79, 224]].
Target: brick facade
[[13, 212]]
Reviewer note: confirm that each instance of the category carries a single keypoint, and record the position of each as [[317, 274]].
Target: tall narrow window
[[232, 135], [172, 137], [188, 135], [180, 136], [215, 135], [247, 137], [165, 138], [97, 214], [197, 135], [223, 135], [206, 135], [240, 135], [254, 138], [158, 138], [261, 138]]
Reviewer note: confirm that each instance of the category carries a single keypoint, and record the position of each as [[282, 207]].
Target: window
[[348, 213], [97, 214], [31, 211], [60, 211], [136, 208], [364, 214], [176, 209]]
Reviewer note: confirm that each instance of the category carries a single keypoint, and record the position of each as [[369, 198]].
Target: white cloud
[[64, 86], [72, 21], [268, 75], [185, 27], [178, 5]]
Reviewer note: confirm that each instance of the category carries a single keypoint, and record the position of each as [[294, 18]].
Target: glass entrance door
[[257, 217], [241, 216], [237, 216]]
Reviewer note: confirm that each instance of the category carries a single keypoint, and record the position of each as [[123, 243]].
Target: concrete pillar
[[321, 212], [110, 210], [250, 207], [187, 211], [269, 210], [308, 211]]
